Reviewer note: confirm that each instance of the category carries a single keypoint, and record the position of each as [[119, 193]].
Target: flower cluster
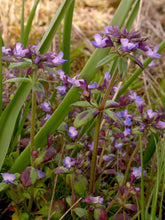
[[31, 57]]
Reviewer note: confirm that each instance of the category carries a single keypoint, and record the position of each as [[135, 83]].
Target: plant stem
[[94, 154], [33, 112], [55, 180], [142, 183]]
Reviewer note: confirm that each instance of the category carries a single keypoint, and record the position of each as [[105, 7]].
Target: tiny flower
[[40, 174], [101, 42], [137, 172], [45, 106], [108, 157], [152, 64], [20, 51], [68, 162], [113, 31], [118, 145], [94, 200], [153, 54], [47, 117], [10, 75], [127, 132], [160, 124], [61, 89], [134, 97], [8, 177], [76, 82], [127, 46], [128, 122], [92, 86], [72, 132], [6, 51], [58, 59], [62, 76], [151, 114]]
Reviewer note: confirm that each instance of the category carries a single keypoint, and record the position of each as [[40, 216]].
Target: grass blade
[[67, 37], [49, 35], [22, 21], [29, 23], [9, 117], [73, 95]]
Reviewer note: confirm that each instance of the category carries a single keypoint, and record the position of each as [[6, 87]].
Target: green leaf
[[150, 150], [82, 213], [33, 175], [29, 23], [107, 59], [84, 117], [114, 116], [9, 117], [80, 185], [20, 65], [18, 79], [122, 66], [82, 104], [3, 186], [49, 35]]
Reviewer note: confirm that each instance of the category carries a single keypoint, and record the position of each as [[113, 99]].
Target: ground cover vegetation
[[81, 143]]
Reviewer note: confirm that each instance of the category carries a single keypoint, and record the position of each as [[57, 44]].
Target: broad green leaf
[[29, 23], [114, 116], [33, 175], [9, 117], [49, 35], [107, 59], [20, 65], [82, 104], [82, 213], [80, 185], [19, 79], [73, 95], [84, 117]]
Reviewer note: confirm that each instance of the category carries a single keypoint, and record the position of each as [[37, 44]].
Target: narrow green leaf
[[150, 150], [114, 116], [80, 185], [29, 23], [1, 87], [107, 59], [49, 35], [22, 21], [19, 65], [84, 117], [67, 37], [73, 95], [122, 66], [9, 117], [82, 104], [18, 79]]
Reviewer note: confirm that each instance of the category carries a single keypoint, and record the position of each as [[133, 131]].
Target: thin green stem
[[94, 154], [33, 113], [142, 183], [108, 90]]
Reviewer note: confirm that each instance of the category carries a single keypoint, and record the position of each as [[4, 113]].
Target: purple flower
[[72, 132], [19, 50], [6, 51], [101, 42], [10, 75], [108, 157], [47, 117], [8, 177], [134, 97], [152, 64], [68, 162], [153, 54], [137, 172], [94, 200], [118, 145], [63, 77], [113, 31], [40, 174], [127, 131], [92, 86], [128, 122], [160, 124], [61, 89], [58, 59], [76, 82], [45, 106], [151, 114], [127, 46]]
